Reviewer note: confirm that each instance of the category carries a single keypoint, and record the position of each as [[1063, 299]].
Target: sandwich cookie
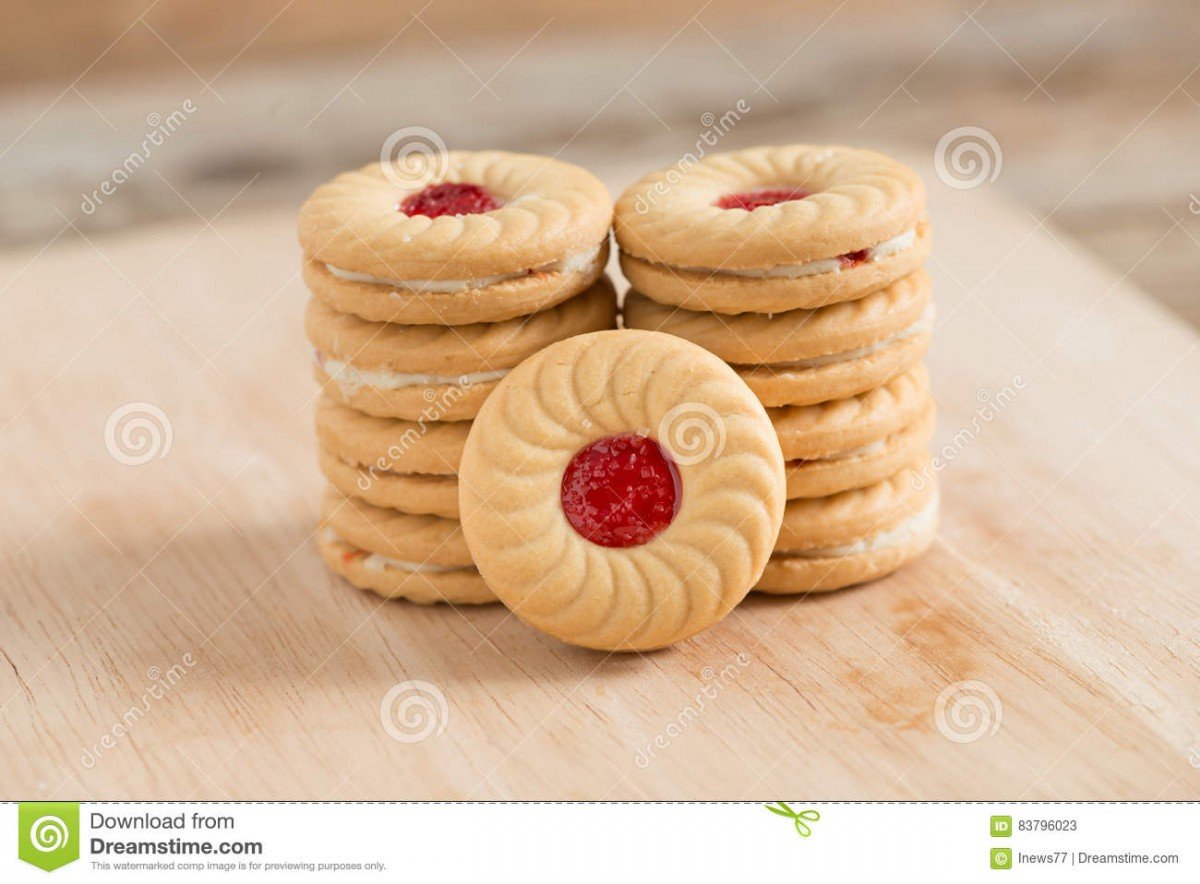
[[771, 229], [806, 356], [455, 238], [399, 555], [431, 372], [860, 467], [848, 538], [408, 492], [405, 465], [829, 428], [621, 490]]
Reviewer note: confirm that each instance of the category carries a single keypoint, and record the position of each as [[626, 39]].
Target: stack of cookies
[[801, 267], [431, 279]]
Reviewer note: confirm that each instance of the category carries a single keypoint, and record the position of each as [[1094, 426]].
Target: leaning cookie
[[621, 490], [399, 555], [827, 428], [454, 238], [771, 229], [874, 555], [860, 467], [428, 372]]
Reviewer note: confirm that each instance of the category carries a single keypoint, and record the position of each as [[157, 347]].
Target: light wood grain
[[1064, 577]]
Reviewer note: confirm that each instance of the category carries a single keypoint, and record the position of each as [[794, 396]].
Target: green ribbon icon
[[48, 833]]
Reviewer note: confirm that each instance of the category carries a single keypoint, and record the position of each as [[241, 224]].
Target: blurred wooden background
[[1094, 105]]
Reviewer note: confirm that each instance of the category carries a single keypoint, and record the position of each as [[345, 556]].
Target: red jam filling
[[620, 491], [449, 199], [853, 259], [752, 199]]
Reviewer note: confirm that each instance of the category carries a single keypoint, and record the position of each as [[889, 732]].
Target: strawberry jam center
[[620, 491], [449, 198], [853, 259], [768, 196]]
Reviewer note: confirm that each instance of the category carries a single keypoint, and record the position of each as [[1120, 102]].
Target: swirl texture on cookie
[[550, 216], [772, 228]]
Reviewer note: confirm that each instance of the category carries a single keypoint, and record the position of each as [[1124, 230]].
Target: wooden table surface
[[168, 629]]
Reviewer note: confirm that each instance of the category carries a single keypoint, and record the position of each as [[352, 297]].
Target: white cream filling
[[351, 379], [873, 448], [378, 563], [923, 324], [570, 264], [907, 531], [825, 265]]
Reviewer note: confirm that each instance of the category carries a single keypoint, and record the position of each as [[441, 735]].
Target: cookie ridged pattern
[[550, 210], [683, 579], [859, 198]]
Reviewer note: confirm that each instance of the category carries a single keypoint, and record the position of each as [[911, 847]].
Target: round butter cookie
[[398, 555], [824, 429], [770, 229], [621, 490], [429, 372], [860, 467], [904, 529], [455, 237]]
